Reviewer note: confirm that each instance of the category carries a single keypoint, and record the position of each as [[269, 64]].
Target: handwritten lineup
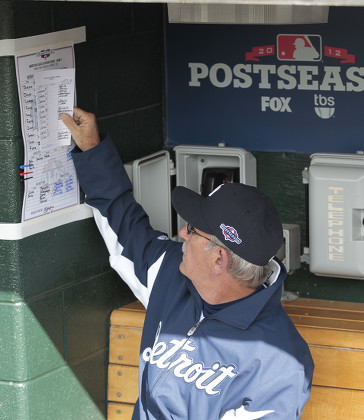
[[54, 95], [46, 89], [52, 183]]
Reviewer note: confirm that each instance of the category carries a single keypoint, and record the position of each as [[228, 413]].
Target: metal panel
[[336, 213], [150, 176]]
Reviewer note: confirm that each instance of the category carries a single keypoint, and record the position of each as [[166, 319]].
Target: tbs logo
[[324, 107]]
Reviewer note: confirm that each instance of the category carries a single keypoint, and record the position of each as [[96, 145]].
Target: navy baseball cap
[[241, 216]]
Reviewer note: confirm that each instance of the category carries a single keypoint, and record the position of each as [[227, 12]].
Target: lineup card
[[46, 89], [54, 95]]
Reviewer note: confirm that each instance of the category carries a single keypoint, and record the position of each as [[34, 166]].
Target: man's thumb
[[68, 121]]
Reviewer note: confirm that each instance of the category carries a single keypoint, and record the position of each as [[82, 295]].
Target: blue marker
[[25, 166]]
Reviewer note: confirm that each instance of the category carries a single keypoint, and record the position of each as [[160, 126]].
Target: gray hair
[[249, 274]]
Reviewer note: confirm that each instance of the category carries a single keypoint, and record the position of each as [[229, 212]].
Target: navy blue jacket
[[246, 361]]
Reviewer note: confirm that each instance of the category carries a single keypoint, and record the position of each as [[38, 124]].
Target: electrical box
[[336, 215], [203, 168], [199, 168]]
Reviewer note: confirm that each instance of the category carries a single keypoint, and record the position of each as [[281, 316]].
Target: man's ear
[[221, 261]]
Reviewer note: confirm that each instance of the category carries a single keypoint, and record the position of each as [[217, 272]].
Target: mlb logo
[[299, 47], [45, 53]]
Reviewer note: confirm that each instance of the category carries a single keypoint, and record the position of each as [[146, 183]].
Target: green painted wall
[[56, 288]]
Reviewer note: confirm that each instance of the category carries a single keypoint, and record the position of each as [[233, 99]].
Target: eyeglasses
[[191, 229]]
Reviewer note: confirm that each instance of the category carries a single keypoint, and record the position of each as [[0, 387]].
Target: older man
[[216, 342]]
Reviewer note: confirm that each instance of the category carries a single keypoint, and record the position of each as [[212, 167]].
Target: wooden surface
[[131, 315], [123, 383], [338, 367], [328, 403], [123, 344], [119, 411], [335, 334], [333, 330], [125, 335]]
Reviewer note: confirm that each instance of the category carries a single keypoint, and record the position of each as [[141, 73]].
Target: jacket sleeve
[[136, 250]]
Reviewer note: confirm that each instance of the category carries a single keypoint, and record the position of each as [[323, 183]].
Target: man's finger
[[78, 113], [82, 117], [68, 121]]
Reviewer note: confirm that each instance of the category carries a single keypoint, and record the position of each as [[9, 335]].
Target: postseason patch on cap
[[230, 234]]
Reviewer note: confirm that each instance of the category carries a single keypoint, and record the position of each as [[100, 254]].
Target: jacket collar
[[244, 312]]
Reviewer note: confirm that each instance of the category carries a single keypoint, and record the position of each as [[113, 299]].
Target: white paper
[[50, 183], [54, 95]]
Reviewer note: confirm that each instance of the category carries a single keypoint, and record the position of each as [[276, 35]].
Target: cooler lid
[[338, 159]]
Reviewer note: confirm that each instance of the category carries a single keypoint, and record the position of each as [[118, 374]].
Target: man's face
[[196, 261]]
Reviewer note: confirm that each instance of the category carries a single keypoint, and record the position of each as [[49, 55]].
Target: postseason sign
[[265, 88]]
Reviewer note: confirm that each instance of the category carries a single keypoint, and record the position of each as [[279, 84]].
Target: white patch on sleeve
[[153, 271], [110, 237], [125, 268], [122, 265], [163, 238]]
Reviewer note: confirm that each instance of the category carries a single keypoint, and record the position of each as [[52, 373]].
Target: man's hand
[[83, 128]]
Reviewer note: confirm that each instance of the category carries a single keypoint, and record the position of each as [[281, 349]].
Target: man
[[216, 342]]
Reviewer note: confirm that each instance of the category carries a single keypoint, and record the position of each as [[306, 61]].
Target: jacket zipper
[[192, 330], [165, 371]]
